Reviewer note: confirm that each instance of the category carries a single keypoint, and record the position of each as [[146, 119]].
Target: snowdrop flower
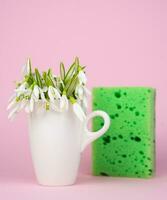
[[64, 103], [77, 109], [86, 90], [42, 95], [34, 97], [85, 102], [12, 114], [53, 94], [14, 111], [54, 106], [12, 97], [36, 93], [21, 89], [34, 89], [45, 89], [27, 94], [12, 103], [23, 104], [79, 92], [16, 107], [79, 112], [82, 77]]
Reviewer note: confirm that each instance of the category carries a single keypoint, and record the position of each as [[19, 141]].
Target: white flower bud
[[79, 112]]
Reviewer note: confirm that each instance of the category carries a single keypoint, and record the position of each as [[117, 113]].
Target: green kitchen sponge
[[127, 148]]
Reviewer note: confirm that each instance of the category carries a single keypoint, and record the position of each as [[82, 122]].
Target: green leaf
[[82, 68], [50, 77], [72, 86], [71, 83], [77, 62], [38, 78], [49, 72], [62, 71], [70, 72], [29, 79], [47, 80]]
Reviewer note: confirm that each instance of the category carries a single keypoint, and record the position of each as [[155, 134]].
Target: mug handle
[[90, 136]]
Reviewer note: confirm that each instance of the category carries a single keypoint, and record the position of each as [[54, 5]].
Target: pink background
[[122, 42]]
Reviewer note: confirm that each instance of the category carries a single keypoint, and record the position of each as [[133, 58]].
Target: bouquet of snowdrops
[[53, 92]]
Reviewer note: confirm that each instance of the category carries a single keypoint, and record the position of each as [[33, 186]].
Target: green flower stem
[[47, 106], [64, 92], [72, 100], [29, 61]]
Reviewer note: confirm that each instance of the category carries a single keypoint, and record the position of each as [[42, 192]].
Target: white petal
[[12, 104], [11, 115], [42, 95], [21, 89], [28, 92], [45, 89], [13, 96], [87, 91], [13, 112], [79, 112], [57, 94], [36, 92], [80, 92], [23, 104], [82, 77], [64, 103], [85, 102], [50, 94], [54, 107]]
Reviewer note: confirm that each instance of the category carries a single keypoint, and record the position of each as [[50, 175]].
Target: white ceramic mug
[[56, 142]]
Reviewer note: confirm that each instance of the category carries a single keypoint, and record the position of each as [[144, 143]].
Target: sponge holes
[[118, 106], [106, 139], [113, 116], [117, 94], [137, 113], [135, 138], [95, 104]]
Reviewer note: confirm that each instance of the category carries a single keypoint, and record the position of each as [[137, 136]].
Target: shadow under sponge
[[128, 147]]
